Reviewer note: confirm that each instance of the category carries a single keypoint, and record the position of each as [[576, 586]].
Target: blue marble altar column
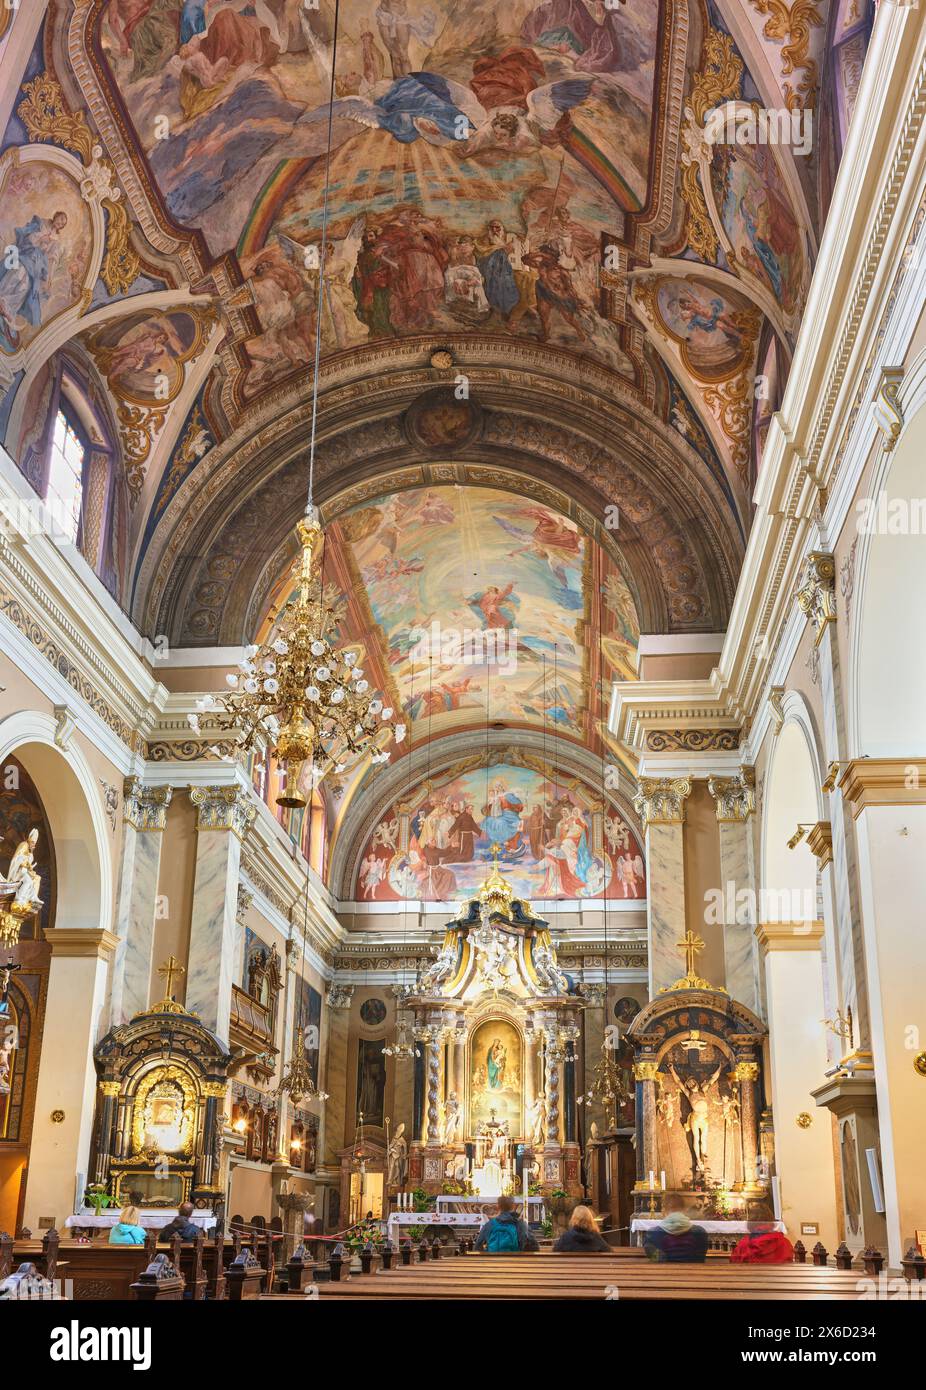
[[224, 816], [144, 811], [735, 799], [660, 804]]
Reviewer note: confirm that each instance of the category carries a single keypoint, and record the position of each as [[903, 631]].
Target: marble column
[[109, 1093], [67, 1080], [432, 1059], [224, 816], [403, 1101], [644, 1074], [746, 1073], [337, 1082], [817, 599], [144, 813], [594, 1024], [660, 804], [735, 800]]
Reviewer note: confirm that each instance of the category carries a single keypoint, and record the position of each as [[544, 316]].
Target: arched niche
[[789, 876], [76, 819], [890, 665]]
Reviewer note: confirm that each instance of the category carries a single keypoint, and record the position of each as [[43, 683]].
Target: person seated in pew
[[676, 1239], [127, 1230], [181, 1224], [505, 1232], [582, 1233], [763, 1245]]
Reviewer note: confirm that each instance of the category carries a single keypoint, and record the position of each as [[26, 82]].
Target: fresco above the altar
[[555, 841]]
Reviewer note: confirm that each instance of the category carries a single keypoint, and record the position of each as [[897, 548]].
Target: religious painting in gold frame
[[164, 1112], [495, 1075]]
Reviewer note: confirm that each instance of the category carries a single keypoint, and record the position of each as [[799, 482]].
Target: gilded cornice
[[789, 936], [871, 782]]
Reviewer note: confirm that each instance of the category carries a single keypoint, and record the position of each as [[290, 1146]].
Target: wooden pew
[[97, 1271], [597, 1276], [187, 1259]]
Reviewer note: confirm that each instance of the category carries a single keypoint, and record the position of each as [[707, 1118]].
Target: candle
[[652, 1181], [776, 1199], [662, 1179]]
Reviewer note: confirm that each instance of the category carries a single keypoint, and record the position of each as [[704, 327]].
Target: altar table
[[431, 1218], [486, 1206], [153, 1220]]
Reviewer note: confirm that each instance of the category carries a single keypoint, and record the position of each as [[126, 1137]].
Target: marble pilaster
[[224, 816], [660, 804], [735, 801], [144, 816], [842, 906], [338, 1000]]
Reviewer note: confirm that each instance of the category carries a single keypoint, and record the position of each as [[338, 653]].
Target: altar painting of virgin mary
[[495, 1075]]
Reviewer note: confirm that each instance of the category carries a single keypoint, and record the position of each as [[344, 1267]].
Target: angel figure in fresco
[[372, 873], [387, 834], [616, 833], [553, 541], [631, 874], [341, 326]]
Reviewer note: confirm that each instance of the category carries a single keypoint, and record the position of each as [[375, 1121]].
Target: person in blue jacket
[[127, 1230]]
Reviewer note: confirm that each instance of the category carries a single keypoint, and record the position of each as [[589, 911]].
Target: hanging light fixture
[[294, 693], [296, 1080]]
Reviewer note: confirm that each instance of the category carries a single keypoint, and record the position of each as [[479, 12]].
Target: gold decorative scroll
[[792, 25], [718, 80]]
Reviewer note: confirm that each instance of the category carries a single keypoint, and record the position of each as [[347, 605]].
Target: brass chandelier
[[293, 693], [299, 697]]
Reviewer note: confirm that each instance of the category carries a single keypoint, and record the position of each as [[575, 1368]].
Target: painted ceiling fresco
[[541, 173], [472, 606]]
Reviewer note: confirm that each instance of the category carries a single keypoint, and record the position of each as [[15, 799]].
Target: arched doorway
[[58, 988]]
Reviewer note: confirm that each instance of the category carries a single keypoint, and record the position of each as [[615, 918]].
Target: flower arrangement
[[97, 1197], [364, 1233]]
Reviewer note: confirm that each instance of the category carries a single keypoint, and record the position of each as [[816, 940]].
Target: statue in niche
[[441, 968], [537, 1121], [397, 1158], [730, 1109], [451, 1118], [665, 1106], [697, 1123], [21, 878]]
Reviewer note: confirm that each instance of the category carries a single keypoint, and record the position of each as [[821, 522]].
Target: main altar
[[495, 1020]]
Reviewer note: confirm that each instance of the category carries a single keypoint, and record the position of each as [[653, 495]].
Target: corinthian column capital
[[223, 808], [735, 797], [661, 800], [143, 807]]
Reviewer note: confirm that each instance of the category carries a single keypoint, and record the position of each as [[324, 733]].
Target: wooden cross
[[692, 945], [170, 968]]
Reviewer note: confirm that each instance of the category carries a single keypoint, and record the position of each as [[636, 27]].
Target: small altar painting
[[495, 1076], [371, 1081], [307, 1019]]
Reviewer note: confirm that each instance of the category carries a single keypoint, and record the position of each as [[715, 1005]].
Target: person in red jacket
[[764, 1245]]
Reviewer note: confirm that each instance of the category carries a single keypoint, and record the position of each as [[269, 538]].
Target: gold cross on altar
[[692, 946], [170, 968]]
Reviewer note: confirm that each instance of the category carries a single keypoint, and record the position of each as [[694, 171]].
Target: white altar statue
[[451, 1118], [398, 1158], [21, 877]]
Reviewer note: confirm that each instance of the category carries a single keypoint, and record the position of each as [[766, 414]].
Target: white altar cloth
[[154, 1219]]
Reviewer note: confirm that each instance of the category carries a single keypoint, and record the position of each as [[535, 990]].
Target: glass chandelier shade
[[297, 696]]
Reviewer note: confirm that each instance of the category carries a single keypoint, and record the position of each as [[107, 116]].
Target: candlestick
[[652, 1180], [662, 1179], [776, 1199]]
